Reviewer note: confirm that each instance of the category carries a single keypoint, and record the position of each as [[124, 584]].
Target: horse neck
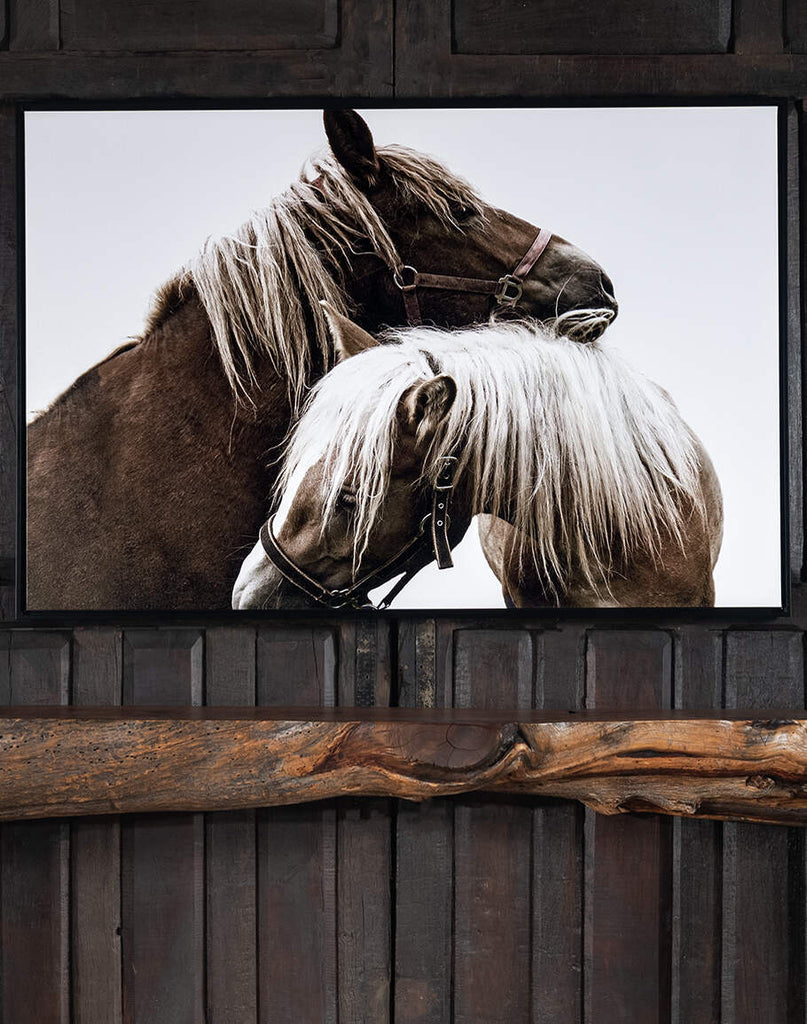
[[179, 365]]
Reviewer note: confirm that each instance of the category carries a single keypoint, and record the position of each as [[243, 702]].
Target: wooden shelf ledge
[[57, 761]]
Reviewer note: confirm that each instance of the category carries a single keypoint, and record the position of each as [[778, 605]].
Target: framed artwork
[[470, 357]]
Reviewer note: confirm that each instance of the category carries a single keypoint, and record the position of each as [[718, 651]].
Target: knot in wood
[[761, 782]]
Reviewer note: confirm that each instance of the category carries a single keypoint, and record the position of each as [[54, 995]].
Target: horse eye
[[346, 499], [463, 214]]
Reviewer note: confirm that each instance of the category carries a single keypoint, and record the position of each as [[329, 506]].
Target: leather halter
[[506, 291], [431, 540]]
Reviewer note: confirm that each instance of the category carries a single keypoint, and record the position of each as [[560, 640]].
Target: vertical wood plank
[[95, 853], [697, 848], [162, 873], [764, 928], [424, 854], [34, 858], [8, 357], [628, 860], [557, 852], [297, 927], [230, 850], [492, 846], [423, 46], [364, 850], [758, 26]]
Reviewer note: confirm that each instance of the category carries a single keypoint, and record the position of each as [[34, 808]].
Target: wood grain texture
[[628, 862], [114, 25], [557, 851], [95, 852], [763, 870], [424, 850], [230, 851], [34, 857], [492, 842], [296, 848], [693, 767], [795, 26], [697, 849], [426, 65], [363, 849], [33, 25], [758, 26], [604, 27], [162, 856], [360, 64]]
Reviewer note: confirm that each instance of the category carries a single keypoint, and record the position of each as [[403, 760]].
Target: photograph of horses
[[397, 377]]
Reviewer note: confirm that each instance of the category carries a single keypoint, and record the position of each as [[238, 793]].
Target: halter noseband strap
[[506, 291], [409, 560]]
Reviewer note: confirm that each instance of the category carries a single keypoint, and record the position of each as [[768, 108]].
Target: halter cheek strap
[[440, 521], [430, 541]]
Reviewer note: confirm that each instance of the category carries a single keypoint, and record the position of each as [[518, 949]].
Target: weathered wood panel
[[95, 852], [424, 907], [353, 58], [757, 26], [628, 862], [363, 848], [492, 841], [590, 26], [795, 26], [230, 852], [162, 856], [427, 62], [297, 938], [104, 25], [34, 857], [33, 25], [763, 872], [557, 851], [697, 849]]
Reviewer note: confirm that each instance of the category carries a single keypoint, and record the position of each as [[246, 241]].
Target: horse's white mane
[[584, 455], [259, 284]]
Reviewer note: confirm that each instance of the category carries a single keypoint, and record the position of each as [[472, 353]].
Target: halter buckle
[[509, 291], [445, 474]]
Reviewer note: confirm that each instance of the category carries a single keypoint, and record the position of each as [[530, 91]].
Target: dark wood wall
[[474, 911]]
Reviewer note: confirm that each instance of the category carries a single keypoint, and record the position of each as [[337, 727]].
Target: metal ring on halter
[[399, 278], [509, 290]]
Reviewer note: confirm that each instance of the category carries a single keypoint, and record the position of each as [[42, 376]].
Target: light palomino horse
[[609, 498], [148, 475]]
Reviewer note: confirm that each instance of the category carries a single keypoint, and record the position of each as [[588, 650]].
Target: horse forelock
[[261, 286], [582, 454]]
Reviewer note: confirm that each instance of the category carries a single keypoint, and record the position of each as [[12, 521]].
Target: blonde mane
[[261, 286], [580, 452]]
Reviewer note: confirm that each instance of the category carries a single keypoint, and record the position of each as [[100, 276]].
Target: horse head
[[327, 546], [455, 260]]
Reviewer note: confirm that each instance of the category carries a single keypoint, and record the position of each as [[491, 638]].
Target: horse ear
[[425, 405], [348, 338], [352, 145]]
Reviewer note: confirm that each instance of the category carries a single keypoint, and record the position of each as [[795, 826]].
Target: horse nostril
[[607, 294]]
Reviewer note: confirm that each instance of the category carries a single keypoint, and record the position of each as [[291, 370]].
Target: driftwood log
[[71, 761]]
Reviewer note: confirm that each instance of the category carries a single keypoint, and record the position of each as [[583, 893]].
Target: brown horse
[[607, 496], [148, 474]]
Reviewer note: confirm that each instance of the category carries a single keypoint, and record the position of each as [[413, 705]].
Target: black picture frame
[[788, 364]]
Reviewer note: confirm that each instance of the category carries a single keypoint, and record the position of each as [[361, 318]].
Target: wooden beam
[[72, 761]]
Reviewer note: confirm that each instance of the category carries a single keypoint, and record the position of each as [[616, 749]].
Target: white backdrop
[[679, 205]]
